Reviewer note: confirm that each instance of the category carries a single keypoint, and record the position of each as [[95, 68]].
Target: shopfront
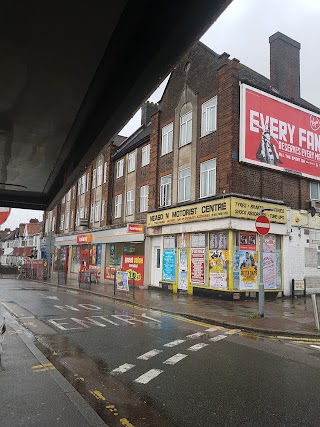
[[214, 246], [105, 251]]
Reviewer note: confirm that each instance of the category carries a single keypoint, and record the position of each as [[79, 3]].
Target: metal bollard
[[315, 310]]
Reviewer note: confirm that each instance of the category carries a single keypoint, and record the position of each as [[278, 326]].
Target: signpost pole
[[262, 226], [261, 285]]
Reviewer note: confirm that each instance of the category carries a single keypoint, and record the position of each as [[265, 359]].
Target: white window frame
[[130, 202], [209, 116], [88, 180], [99, 175], [73, 192], [208, 175], [97, 211], [63, 199], [53, 224], [314, 188], [66, 224], [144, 198], [145, 155], [69, 195], [185, 136], [92, 212], [105, 172], [165, 190], [167, 139], [94, 178], [184, 183], [131, 161], [102, 210], [62, 222], [83, 184], [82, 214], [79, 186], [77, 218], [118, 206], [71, 225], [119, 168]]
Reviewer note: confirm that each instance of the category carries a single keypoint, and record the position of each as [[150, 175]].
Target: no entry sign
[[262, 224], [4, 213]]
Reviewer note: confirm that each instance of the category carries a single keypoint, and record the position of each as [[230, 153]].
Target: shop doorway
[[156, 266], [84, 259]]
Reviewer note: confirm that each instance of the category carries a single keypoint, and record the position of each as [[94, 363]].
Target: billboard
[[279, 135]]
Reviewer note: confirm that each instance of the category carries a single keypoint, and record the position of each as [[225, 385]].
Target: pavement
[[283, 316]]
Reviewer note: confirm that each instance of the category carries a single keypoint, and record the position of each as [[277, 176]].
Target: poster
[[218, 272], [277, 134], [248, 270], [94, 255], [78, 254], [122, 281], [134, 266], [247, 241], [197, 266], [269, 271], [169, 265], [183, 264], [183, 281], [218, 240], [99, 254]]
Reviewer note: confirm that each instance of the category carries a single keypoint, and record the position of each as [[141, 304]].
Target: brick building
[[222, 144]]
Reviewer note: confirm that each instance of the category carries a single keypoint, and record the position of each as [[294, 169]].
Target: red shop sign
[[134, 265]]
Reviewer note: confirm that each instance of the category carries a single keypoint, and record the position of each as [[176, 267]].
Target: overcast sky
[[243, 31]]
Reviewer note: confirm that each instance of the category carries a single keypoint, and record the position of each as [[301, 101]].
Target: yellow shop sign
[[199, 212], [250, 209]]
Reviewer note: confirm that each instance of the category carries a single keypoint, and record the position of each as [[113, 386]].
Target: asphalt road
[[143, 368]]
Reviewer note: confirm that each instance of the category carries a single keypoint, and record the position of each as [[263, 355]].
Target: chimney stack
[[147, 110], [285, 65]]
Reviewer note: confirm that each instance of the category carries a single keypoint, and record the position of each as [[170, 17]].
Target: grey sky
[[243, 31]]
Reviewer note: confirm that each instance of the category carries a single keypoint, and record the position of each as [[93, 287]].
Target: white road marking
[[121, 369], [315, 346], [148, 376], [151, 318], [173, 343], [218, 338], [49, 297], [211, 329], [196, 335], [197, 347], [149, 354], [107, 320], [175, 359], [233, 331]]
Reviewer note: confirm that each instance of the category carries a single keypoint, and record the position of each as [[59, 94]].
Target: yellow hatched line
[[43, 368]]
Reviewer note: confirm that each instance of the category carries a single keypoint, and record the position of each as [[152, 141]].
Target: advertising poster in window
[[197, 266], [183, 281], [218, 272], [219, 240], [134, 266], [183, 270], [78, 254], [248, 270], [169, 265], [94, 255], [247, 241], [269, 262]]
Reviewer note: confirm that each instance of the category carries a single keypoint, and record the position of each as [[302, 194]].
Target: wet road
[[140, 367]]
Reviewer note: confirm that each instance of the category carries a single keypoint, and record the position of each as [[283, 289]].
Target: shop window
[[167, 139], [118, 206], [130, 202], [209, 116], [131, 162], [184, 185], [208, 174], [165, 191], [314, 191], [119, 168], [185, 129], [144, 195]]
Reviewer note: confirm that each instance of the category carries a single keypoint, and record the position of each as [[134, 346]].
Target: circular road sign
[[262, 224], [4, 213]]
